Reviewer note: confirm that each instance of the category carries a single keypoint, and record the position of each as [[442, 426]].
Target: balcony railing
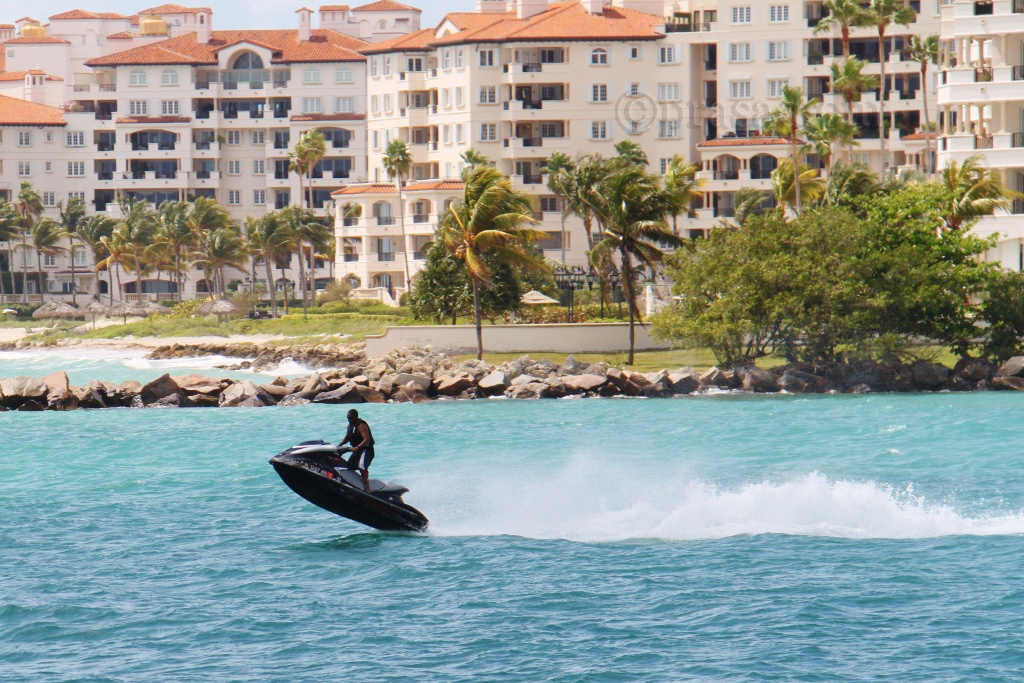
[[812, 22], [419, 256], [532, 142], [815, 58], [349, 222], [385, 220], [982, 142], [1018, 140], [385, 256], [983, 75], [727, 175], [532, 179], [1018, 71], [725, 211], [420, 218], [350, 258], [108, 87]]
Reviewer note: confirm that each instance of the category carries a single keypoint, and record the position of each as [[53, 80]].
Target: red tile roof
[[746, 142], [375, 188], [6, 25], [561, 21], [389, 188], [123, 35], [171, 8], [84, 14], [35, 40], [411, 42], [19, 75], [323, 46], [333, 8], [385, 6], [918, 136], [134, 20], [435, 185], [153, 119], [15, 112], [328, 117], [25, 18]]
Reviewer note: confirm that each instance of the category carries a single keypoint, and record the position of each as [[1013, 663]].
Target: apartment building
[[161, 106]]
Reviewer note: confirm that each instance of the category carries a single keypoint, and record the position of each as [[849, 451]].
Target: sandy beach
[[14, 334]]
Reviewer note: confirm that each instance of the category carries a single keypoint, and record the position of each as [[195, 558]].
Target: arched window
[[382, 25], [202, 18], [137, 77], [169, 77], [311, 75], [248, 60], [343, 74], [352, 280], [448, 204], [599, 56]]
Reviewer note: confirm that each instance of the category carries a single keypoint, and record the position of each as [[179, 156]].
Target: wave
[[608, 505]]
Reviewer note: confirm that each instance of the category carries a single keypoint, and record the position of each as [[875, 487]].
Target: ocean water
[[720, 538]]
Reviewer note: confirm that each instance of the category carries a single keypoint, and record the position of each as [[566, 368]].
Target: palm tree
[[882, 14], [29, 207], [825, 132], [557, 169], [787, 120], [472, 158], [71, 217], [682, 183], [118, 256], [303, 228], [46, 237], [220, 248], [581, 184], [849, 81], [786, 191], [175, 232], [632, 205], [973, 191], [748, 202], [490, 222], [207, 216], [844, 15], [925, 50], [92, 232], [309, 149], [397, 162], [9, 226], [268, 239], [138, 229], [631, 153], [849, 181]]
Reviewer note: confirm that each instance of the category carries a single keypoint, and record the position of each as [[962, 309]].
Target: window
[[488, 131], [775, 86], [387, 102], [635, 89], [552, 92], [344, 105], [599, 92], [375, 104], [446, 134], [663, 165], [78, 253], [599, 56], [668, 129], [138, 108], [259, 167], [76, 138], [667, 54], [169, 77], [446, 97], [76, 169], [312, 105], [374, 66], [599, 130], [259, 137], [460, 134], [486, 57], [446, 59], [234, 167], [49, 136], [778, 50], [311, 75], [458, 97], [169, 107], [24, 138], [259, 196], [458, 58], [49, 198], [387, 65], [488, 94], [778, 13], [551, 129], [741, 15], [49, 259], [137, 77], [668, 92], [549, 203], [414, 64], [740, 52], [234, 197], [739, 89], [343, 74], [76, 195], [234, 137], [634, 52], [48, 166]]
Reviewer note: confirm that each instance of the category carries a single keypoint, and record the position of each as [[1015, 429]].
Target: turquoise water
[[724, 538]]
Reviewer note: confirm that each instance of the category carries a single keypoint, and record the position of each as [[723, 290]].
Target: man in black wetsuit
[[360, 438]]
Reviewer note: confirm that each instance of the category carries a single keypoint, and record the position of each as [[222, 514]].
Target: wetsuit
[[361, 457]]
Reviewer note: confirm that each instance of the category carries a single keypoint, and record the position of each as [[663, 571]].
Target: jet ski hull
[[316, 480]]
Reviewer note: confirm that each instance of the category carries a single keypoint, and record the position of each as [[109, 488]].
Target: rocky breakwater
[[418, 375], [262, 357]]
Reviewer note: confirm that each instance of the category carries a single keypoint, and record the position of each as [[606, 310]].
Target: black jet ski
[[316, 471]]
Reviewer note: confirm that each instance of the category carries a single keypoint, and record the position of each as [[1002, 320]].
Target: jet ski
[[316, 471]]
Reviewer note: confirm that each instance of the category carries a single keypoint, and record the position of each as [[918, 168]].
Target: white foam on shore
[[284, 368], [583, 502]]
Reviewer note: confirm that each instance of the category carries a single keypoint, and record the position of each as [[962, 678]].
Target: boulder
[[974, 369], [61, 398], [620, 381], [644, 386], [528, 390], [556, 387], [370, 395], [293, 400], [275, 390], [571, 366], [422, 381], [19, 390], [595, 369], [1011, 368], [344, 394], [361, 380], [386, 385], [172, 401], [608, 389], [199, 401], [797, 382], [32, 405], [714, 377], [929, 375], [754, 378], [683, 382], [493, 384], [1010, 382], [154, 391], [88, 397], [199, 384], [244, 394], [313, 385], [410, 393], [525, 379], [58, 381], [279, 382], [453, 386], [582, 384], [957, 383]]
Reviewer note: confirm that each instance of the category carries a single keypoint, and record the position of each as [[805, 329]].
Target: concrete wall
[[580, 338]]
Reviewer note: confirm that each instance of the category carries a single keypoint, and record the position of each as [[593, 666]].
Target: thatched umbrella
[[65, 310], [44, 310], [95, 309], [127, 308], [217, 307], [153, 307]]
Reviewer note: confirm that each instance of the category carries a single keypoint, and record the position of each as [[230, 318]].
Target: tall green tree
[[305, 231], [826, 132], [787, 120], [206, 217], [925, 50], [441, 290], [558, 169], [472, 158], [93, 231], [850, 81], [632, 206], [972, 191], [683, 185], [29, 207], [847, 183], [219, 249], [841, 14], [631, 153], [490, 222], [268, 239], [786, 191], [397, 162], [138, 230], [881, 15], [71, 216], [46, 238], [309, 149], [10, 224], [175, 231]]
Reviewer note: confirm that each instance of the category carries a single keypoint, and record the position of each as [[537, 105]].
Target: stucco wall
[[582, 338]]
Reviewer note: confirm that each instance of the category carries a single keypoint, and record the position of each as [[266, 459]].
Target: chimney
[[593, 6], [305, 22], [492, 6], [528, 8], [204, 26]]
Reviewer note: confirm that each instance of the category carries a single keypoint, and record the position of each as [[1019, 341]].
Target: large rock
[[348, 393], [58, 381], [975, 369], [18, 391], [200, 384], [275, 390], [714, 377], [556, 387], [159, 388], [410, 393], [1012, 368], [929, 375], [58, 395], [525, 379], [493, 384], [404, 378], [453, 386], [754, 378], [244, 394], [571, 366], [292, 400], [369, 394], [798, 382], [683, 382], [313, 386], [529, 390], [582, 384], [1013, 383], [88, 397], [620, 381]]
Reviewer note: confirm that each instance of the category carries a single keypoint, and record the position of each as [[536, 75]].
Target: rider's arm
[[364, 435]]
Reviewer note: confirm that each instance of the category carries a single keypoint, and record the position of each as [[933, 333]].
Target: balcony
[[385, 256], [533, 179], [1018, 140], [1018, 71], [350, 258], [983, 75], [385, 220], [727, 175], [526, 68], [532, 142], [982, 142], [420, 218], [349, 222], [419, 256]]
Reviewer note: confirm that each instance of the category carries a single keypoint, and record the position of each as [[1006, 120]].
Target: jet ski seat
[[352, 478]]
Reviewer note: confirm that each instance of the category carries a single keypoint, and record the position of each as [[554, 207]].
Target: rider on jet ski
[[361, 439]]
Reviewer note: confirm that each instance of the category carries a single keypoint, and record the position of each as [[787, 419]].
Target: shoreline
[[342, 374]]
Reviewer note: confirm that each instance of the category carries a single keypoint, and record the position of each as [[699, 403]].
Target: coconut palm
[[490, 222], [581, 183], [220, 248], [46, 238], [631, 153], [9, 226], [682, 183], [973, 191], [268, 239], [29, 207], [472, 158], [138, 229], [205, 217], [827, 131], [92, 231], [882, 14], [844, 15], [304, 229], [849, 181], [71, 217], [849, 80], [176, 233], [309, 149], [397, 162], [787, 120], [925, 50], [632, 205], [119, 257], [786, 191], [556, 167], [748, 202]]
